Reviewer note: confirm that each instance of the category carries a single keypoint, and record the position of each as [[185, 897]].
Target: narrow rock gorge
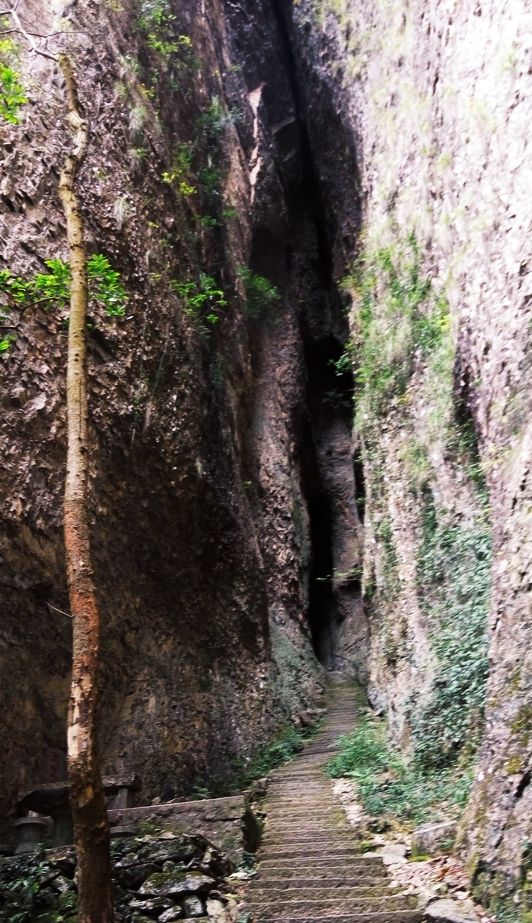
[[311, 438]]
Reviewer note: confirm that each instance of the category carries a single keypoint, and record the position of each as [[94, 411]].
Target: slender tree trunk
[[91, 827]]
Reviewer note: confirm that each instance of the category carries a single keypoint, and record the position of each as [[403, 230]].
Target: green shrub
[[284, 747], [398, 315], [52, 289], [158, 23], [24, 897]]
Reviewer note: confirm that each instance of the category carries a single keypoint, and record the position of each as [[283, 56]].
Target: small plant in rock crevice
[[202, 298], [158, 23], [262, 296]]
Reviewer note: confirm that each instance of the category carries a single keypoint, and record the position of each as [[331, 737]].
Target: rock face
[[335, 172], [199, 524], [433, 99]]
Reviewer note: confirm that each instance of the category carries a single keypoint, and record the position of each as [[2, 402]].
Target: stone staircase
[[310, 865]]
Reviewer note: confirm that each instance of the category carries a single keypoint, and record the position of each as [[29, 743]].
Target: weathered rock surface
[[199, 522], [447, 911], [431, 838]]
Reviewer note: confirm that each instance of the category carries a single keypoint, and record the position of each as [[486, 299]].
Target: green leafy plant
[[214, 120], [52, 288], [22, 898], [12, 92], [202, 298], [262, 296], [157, 21]]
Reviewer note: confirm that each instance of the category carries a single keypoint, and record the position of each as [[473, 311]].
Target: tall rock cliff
[[200, 531], [312, 205]]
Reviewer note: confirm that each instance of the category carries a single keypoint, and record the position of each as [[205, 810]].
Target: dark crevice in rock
[[360, 495], [329, 394], [523, 784], [296, 243]]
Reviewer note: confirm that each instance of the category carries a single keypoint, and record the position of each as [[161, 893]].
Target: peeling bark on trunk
[[91, 827]]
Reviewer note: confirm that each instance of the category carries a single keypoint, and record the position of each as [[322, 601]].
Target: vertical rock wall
[[195, 473], [433, 97]]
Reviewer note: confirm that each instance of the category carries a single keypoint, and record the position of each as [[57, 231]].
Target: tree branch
[[27, 35], [55, 609]]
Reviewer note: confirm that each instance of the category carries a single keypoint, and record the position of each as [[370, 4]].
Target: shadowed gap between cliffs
[[329, 408]]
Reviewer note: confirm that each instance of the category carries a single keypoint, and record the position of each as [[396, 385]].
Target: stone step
[[299, 795], [307, 832], [345, 881], [397, 916], [337, 852], [330, 822], [325, 868], [297, 807], [301, 833], [284, 801], [332, 906], [274, 840], [302, 822], [312, 774], [326, 823], [309, 812], [360, 862], [298, 788], [264, 894], [286, 817]]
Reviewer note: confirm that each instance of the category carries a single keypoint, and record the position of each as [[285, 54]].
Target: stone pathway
[[310, 865]]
